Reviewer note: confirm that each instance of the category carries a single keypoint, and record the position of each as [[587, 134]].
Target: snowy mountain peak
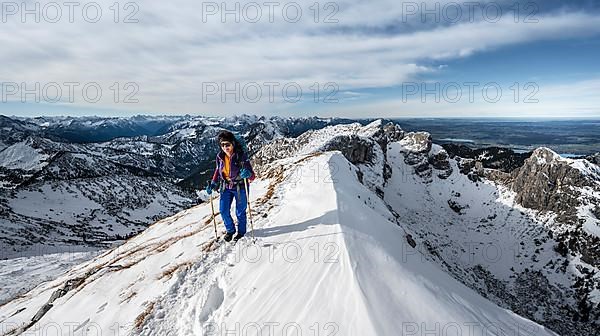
[[544, 155]]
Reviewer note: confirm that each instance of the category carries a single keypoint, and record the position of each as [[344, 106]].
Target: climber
[[232, 167]]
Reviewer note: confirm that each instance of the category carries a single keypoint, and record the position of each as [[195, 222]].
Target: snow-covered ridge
[[452, 203], [165, 281]]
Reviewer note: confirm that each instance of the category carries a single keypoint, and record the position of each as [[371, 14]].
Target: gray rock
[[416, 142], [441, 161], [356, 149], [545, 183]]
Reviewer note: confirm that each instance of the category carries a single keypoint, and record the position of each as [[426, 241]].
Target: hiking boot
[[227, 237], [238, 236]]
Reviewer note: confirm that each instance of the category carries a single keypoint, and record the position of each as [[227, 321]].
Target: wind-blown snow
[[328, 258]]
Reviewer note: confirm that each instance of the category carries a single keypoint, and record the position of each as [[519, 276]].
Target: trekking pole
[[214, 217], [249, 210]]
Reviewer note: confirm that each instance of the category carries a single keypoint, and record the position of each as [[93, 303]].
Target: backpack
[[242, 143]]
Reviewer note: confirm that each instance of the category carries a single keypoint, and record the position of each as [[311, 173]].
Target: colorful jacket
[[238, 161]]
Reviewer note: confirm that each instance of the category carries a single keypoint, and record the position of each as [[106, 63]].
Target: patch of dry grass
[[139, 321]]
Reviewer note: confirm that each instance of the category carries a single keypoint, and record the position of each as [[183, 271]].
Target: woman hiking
[[232, 167]]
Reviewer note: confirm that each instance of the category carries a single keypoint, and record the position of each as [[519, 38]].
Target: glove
[[245, 173], [210, 186]]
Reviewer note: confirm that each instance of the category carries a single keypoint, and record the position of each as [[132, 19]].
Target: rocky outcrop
[[415, 146], [440, 161], [364, 146], [416, 142], [389, 132], [546, 182], [594, 158], [356, 149], [596, 212], [456, 207], [425, 157]]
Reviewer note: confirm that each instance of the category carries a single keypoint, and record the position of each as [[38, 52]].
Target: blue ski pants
[[227, 197]]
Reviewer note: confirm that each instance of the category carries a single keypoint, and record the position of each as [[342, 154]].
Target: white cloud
[[170, 53]]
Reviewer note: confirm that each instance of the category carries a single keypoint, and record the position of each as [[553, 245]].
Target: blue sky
[[168, 61]]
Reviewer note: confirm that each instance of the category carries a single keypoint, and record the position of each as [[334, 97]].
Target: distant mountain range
[[84, 183]]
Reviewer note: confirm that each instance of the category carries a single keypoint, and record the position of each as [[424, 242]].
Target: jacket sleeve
[[215, 177], [246, 164]]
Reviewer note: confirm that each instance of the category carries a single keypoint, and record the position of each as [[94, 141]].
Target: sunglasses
[[226, 144]]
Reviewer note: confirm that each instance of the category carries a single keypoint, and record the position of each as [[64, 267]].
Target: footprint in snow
[[213, 302]]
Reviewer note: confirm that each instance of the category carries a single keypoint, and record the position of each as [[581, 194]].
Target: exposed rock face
[[424, 156], [416, 142], [595, 159], [545, 182], [472, 168], [390, 132], [596, 212], [415, 146], [440, 160], [565, 191], [354, 148], [275, 150], [262, 133], [357, 148]]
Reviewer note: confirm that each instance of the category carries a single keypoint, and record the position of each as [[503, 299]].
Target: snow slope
[[329, 259], [20, 275], [23, 156]]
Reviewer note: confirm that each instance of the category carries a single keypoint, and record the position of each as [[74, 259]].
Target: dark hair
[[226, 136], [229, 137]]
